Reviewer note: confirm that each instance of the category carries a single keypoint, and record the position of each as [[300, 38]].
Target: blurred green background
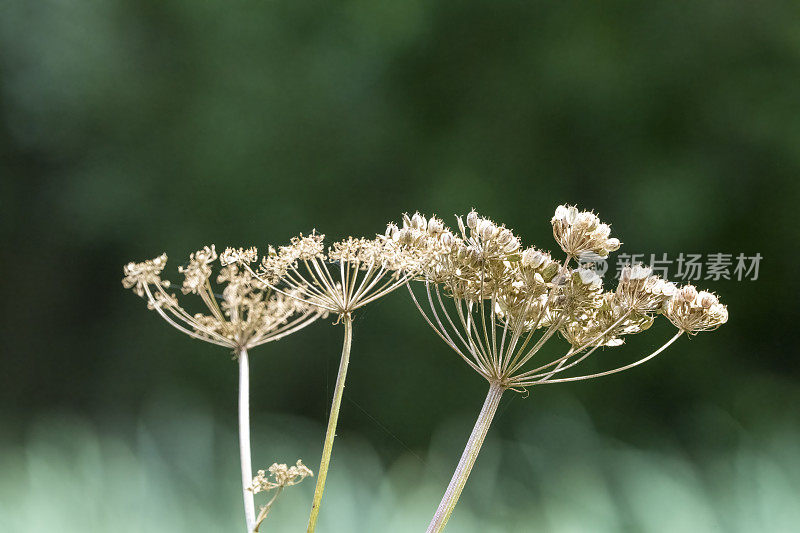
[[129, 128]]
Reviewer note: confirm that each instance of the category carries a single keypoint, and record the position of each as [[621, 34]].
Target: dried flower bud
[[418, 222], [589, 277], [485, 229], [405, 236], [447, 240], [532, 258], [472, 220], [586, 221], [392, 231], [504, 237], [640, 272], [613, 244], [688, 293], [549, 272], [706, 299]]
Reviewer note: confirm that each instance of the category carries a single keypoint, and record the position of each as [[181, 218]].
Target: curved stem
[[614, 371], [265, 510], [330, 434], [244, 440], [464, 467]]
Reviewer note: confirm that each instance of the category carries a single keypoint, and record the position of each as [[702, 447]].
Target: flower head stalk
[[246, 314], [340, 279], [496, 304]]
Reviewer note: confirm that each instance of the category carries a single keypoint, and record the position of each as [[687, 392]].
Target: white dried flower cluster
[[239, 255], [198, 270], [247, 313], [140, 275], [693, 311], [581, 232], [348, 275], [469, 263], [280, 476], [500, 296]]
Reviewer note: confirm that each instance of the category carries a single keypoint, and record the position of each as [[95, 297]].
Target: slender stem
[[265, 510], [464, 467], [332, 420], [614, 371], [244, 440]]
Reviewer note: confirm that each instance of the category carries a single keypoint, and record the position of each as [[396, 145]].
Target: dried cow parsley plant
[[496, 304], [246, 314], [279, 477], [340, 279]]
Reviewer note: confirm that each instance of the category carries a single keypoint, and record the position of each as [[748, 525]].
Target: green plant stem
[[244, 440], [464, 467], [330, 434]]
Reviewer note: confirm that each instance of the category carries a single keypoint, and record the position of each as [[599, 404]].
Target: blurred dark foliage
[[128, 128]]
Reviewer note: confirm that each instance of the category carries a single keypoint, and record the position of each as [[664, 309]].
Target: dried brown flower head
[[279, 477], [693, 311], [488, 297], [581, 232], [342, 278], [245, 314]]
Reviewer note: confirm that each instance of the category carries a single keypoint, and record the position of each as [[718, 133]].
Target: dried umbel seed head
[[140, 275], [423, 235], [198, 270], [279, 476], [276, 264], [349, 273], [692, 311], [306, 247], [581, 292], [246, 315], [492, 242], [502, 294], [539, 262], [238, 255], [640, 291], [581, 232]]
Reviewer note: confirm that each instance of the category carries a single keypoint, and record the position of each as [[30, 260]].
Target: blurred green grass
[[176, 470]]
